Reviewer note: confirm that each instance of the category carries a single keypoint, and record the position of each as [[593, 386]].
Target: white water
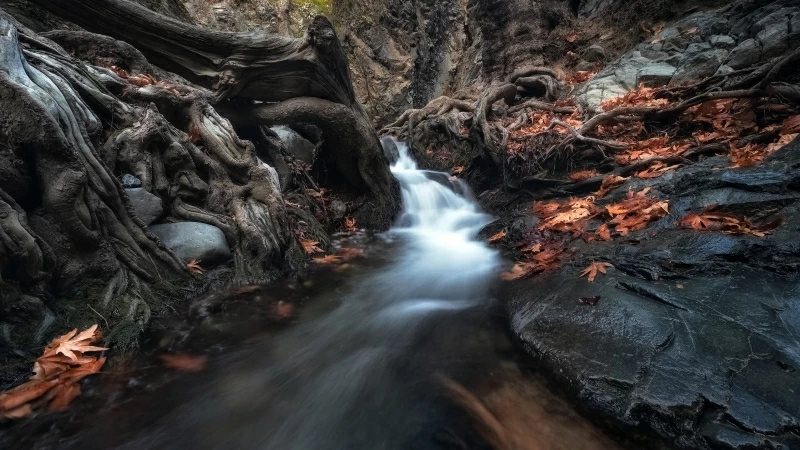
[[440, 223], [362, 376]]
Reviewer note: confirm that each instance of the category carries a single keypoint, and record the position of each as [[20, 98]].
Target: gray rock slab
[[296, 145], [194, 240], [130, 181], [655, 74], [148, 207]]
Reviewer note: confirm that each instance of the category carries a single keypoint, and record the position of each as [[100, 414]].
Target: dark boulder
[[194, 240], [148, 207], [296, 145], [696, 335]]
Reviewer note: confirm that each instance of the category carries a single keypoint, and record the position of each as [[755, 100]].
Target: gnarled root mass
[[72, 127], [536, 135]]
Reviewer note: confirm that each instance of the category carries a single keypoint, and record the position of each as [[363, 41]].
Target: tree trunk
[[284, 17], [242, 67]]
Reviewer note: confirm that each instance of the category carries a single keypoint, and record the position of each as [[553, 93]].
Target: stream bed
[[363, 365]]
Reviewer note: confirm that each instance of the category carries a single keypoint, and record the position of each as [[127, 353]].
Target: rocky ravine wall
[[405, 53]]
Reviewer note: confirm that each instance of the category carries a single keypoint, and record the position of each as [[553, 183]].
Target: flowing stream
[[361, 369]]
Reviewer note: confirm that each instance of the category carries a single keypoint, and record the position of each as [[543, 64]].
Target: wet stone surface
[[697, 334]]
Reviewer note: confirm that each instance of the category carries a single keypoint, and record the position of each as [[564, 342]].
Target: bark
[[255, 66], [67, 225], [242, 67], [350, 142], [284, 16]]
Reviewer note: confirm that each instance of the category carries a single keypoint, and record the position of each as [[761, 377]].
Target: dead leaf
[[284, 309], [583, 175], [328, 259], [55, 375], [348, 254], [24, 393], [194, 267], [595, 268], [571, 37], [603, 233], [184, 362], [69, 344], [310, 247], [591, 301], [518, 271], [791, 125], [64, 395], [610, 182], [497, 236], [350, 223], [710, 220]]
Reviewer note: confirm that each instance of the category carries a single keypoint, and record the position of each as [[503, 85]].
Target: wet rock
[[774, 36], [673, 40], [722, 41], [745, 54], [599, 90], [696, 334], [338, 209], [194, 240], [130, 181], [699, 65], [724, 70], [702, 25], [148, 207], [594, 53], [653, 54], [585, 65], [655, 75], [296, 145], [390, 149]]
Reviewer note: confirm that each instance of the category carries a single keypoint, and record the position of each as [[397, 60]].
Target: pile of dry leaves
[[56, 374]]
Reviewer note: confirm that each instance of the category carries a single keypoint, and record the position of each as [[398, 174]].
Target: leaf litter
[[54, 383]]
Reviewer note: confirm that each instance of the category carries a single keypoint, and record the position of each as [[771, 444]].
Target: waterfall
[[440, 220], [363, 375]]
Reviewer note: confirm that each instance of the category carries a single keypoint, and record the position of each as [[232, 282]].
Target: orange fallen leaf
[[70, 343], [520, 270], [603, 233], [63, 395], [497, 236], [55, 375], [610, 182], [710, 220], [328, 259], [194, 267], [583, 175], [184, 362], [284, 309], [310, 247], [791, 125], [22, 394], [595, 268], [347, 253], [350, 223]]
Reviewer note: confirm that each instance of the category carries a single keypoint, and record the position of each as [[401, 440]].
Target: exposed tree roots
[[470, 133], [72, 128]]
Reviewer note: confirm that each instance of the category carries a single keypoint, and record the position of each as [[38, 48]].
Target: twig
[[101, 316], [536, 104], [580, 137]]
